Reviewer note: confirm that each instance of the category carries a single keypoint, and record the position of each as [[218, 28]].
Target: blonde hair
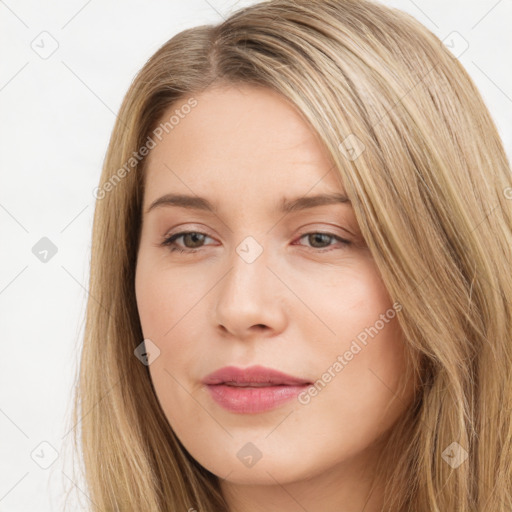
[[429, 190]]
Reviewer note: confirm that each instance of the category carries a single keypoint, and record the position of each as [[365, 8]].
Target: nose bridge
[[247, 296], [248, 272]]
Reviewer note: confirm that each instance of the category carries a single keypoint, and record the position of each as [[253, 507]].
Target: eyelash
[[171, 244]]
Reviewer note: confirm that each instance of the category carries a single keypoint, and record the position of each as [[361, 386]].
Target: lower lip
[[253, 399]]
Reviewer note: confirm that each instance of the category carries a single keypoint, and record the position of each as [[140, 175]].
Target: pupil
[[316, 236], [193, 236]]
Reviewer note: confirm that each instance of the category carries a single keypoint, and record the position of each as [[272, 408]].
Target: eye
[[195, 238], [320, 238]]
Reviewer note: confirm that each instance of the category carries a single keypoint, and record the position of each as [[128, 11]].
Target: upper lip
[[252, 375]]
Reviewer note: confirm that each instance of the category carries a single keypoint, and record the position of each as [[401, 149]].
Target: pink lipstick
[[254, 389]]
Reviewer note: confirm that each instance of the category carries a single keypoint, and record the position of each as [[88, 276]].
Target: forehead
[[239, 139]]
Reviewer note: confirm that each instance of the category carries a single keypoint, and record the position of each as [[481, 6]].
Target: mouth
[[251, 384], [253, 390], [253, 376]]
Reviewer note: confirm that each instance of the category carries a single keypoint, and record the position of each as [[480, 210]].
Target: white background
[[57, 114]]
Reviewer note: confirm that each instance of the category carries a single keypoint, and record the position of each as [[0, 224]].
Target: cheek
[[163, 298], [360, 366], [171, 315], [148, 297], [348, 301]]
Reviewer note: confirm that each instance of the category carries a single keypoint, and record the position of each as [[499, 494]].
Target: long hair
[[422, 163]]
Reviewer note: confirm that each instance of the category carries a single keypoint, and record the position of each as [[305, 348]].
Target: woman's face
[[295, 290]]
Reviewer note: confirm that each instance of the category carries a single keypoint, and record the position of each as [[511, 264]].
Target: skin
[[296, 308]]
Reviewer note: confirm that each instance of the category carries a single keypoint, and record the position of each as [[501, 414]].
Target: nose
[[250, 299]]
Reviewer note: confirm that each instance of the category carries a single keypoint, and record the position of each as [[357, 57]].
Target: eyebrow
[[287, 205]]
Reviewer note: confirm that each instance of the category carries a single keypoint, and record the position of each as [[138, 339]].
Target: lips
[[252, 390], [253, 376]]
